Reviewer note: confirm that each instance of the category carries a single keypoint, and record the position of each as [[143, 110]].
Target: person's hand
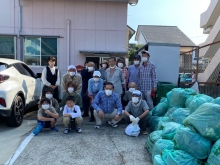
[[47, 112], [101, 114], [132, 118], [116, 117], [154, 89], [137, 119]]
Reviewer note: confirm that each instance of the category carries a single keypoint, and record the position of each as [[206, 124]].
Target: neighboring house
[[165, 44], [71, 30], [210, 22]]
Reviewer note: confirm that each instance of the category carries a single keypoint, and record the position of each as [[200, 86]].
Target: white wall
[[141, 40], [95, 26], [166, 58]]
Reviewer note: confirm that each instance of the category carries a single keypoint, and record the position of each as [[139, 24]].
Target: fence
[[204, 61]]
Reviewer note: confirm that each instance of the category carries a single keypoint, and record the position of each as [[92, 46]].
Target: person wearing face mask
[[128, 94], [137, 111], [121, 64], [46, 117], [115, 75], [72, 76], [48, 93], [105, 104], [95, 86], [51, 77], [72, 111], [133, 69], [104, 66], [70, 91], [87, 75], [147, 78]]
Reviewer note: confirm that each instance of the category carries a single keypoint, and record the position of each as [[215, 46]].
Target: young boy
[[71, 111], [47, 116]]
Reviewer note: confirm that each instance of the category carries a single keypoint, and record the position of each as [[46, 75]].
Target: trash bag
[[179, 115], [169, 130], [168, 95], [154, 120], [206, 120], [132, 130], [151, 140], [160, 145], [214, 157], [163, 100], [160, 109], [171, 110], [158, 160], [162, 122], [193, 143], [179, 157], [188, 101], [179, 97], [199, 100], [216, 101]]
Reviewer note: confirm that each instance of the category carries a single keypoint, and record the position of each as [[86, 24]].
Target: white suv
[[20, 89]]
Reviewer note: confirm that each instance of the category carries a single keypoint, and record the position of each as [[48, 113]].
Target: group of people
[[109, 94]]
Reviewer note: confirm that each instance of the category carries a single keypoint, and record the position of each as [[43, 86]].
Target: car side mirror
[[38, 75]]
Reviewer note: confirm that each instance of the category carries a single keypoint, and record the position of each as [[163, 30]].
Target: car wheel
[[17, 113]]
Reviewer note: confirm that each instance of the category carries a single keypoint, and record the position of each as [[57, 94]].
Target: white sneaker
[[113, 125], [97, 126], [79, 130]]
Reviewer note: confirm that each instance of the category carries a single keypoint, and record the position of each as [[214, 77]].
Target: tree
[[132, 51]]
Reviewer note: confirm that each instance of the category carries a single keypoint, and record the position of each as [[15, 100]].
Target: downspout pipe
[[19, 31], [68, 42]]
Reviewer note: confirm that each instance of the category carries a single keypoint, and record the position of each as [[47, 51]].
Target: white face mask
[[70, 89], [90, 68], [108, 92], [49, 96], [72, 73], [96, 79], [45, 106], [120, 65], [135, 99], [131, 89], [136, 62], [112, 67], [144, 59], [104, 65]]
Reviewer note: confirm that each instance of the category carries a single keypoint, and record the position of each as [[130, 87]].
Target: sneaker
[[66, 131], [113, 125], [85, 115], [144, 132], [97, 126], [79, 130], [54, 129]]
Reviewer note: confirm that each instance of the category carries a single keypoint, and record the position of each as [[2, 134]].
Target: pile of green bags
[[186, 125]]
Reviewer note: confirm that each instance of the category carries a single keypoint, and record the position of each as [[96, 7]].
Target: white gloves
[[136, 120], [132, 118]]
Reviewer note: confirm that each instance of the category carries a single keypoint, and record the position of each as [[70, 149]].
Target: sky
[[185, 14]]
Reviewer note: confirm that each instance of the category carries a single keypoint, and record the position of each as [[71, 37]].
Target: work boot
[[92, 118]]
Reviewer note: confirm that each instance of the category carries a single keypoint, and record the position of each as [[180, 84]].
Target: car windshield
[[3, 66]]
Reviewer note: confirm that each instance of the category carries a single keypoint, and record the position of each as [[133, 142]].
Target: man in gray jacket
[[115, 75]]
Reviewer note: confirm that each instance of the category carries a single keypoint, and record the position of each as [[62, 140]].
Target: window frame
[[40, 66], [15, 45]]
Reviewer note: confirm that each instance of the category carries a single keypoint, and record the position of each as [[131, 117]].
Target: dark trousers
[[45, 124], [143, 123], [86, 104]]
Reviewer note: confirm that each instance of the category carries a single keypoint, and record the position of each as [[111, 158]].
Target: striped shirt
[[125, 72], [133, 74], [147, 77]]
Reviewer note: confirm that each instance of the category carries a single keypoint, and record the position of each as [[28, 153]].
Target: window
[[37, 50], [7, 48], [23, 69]]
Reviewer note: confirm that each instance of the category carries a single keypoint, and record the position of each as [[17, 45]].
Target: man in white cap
[[137, 111], [72, 76], [147, 78]]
